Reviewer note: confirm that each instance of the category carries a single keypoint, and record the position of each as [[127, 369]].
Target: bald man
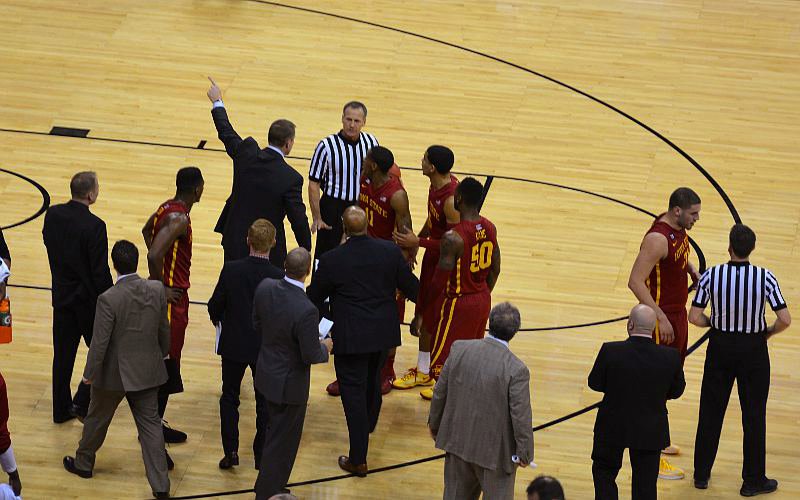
[[637, 377], [290, 344], [360, 277]]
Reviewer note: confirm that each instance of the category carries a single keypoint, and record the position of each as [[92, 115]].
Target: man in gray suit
[[290, 344], [481, 413], [125, 360]]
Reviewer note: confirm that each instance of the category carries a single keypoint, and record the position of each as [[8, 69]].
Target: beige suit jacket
[[481, 408], [130, 338]]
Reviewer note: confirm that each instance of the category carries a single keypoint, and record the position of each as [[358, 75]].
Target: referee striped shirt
[[336, 164], [738, 292]]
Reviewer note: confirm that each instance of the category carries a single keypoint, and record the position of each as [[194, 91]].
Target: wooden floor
[[720, 79]]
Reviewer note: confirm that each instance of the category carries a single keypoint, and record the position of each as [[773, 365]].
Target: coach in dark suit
[[264, 186], [290, 344], [77, 249], [360, 278], [231, 308], [637, 378]]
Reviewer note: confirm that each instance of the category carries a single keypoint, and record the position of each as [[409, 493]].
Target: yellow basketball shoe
[[427, 394], [668, 471], [413, 378]]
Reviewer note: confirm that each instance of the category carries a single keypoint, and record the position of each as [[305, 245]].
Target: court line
[[42, 191]]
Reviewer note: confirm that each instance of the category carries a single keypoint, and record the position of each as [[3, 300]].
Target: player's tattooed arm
[[175, 227], [147, 231], [494, 270]]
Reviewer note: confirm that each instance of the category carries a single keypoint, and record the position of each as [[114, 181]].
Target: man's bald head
[[298, 264], [354, 220], [642, 320]]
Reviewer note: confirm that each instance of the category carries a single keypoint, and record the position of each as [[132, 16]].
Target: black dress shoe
[[64, 418], [173, 435], [170, 463], [229, 460], [701, 484], [359, 470], [161, 494], [78, 412], [69, 465], [767, 486]]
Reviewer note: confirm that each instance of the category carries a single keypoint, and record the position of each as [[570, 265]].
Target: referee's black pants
[[743, 357], [331, 210]]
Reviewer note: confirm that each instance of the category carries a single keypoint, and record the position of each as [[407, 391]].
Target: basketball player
[[385, 202], [442, 215], [168, 236], [659, 280], [459, 293]]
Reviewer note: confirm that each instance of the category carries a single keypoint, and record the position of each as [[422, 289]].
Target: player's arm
[[175, 227], [654, 248], [451, 248], [400, 205], [450, 213], [494, 269], [147, 230]]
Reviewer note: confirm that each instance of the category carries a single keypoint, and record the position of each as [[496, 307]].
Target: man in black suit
[[637, 377], [5, 256], [360, 278], [264, 186], [290, 344], [77, 248], [231, 309]]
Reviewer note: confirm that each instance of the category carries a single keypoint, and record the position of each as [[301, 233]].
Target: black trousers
[[70, 324], [280, 448], [331, 210], [606, 463], [745, 358], [232, 375], [360, 387]]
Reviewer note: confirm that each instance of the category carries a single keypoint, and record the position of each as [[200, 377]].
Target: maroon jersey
[[436, 216], [668, 281], [178, 259], [377, 204], [480, 242]]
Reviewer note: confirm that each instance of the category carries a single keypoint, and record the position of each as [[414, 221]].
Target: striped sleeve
[[774, 295], [702, 295], [320, 163]]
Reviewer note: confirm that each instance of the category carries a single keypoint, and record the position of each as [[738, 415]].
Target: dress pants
[[606, 462], [744, 357], [69, 325], [232, 374], [145, 413], [360, 387], [280, 447], [465, 481]]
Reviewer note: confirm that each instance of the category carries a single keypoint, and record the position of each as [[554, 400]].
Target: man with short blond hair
[[231, 310]]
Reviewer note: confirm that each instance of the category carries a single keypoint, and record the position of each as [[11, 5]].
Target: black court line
[[42, 191], [486, 186]]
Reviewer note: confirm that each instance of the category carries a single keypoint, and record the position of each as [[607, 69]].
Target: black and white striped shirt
[[336, 164], [738, 292]]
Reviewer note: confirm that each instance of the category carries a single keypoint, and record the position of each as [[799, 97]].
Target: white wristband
[[7, 461]]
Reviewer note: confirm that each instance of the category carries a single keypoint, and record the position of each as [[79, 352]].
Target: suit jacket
[[481, 407], [4, 252], [77, 248], [232, 303], [361, 278], [264, 186], [289, 327], [637, 377], [130, 337]]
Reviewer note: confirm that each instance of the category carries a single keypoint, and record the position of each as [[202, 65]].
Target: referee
[[737, 349], [335, 176]]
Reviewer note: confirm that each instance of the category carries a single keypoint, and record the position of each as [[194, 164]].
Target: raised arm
[[225, 130]]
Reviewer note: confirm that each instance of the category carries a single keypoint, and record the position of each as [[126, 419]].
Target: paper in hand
[[325, 326], [216, 341]]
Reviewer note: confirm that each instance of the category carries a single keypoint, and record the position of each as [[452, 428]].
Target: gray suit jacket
[[481, 408], [288, 323], [130, 337]]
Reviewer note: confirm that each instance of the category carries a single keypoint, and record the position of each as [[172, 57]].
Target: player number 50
[[481, 256]]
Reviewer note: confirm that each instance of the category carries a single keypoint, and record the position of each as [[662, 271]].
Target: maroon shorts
[[178, 315], [680, 325], [460, 318]]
